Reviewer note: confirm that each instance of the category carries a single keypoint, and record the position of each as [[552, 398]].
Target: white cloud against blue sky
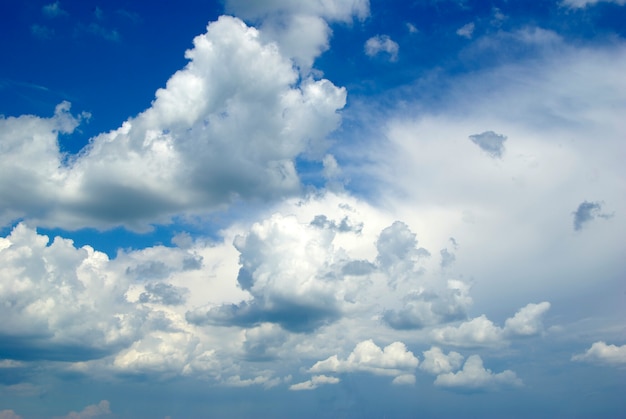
[[312, 209]]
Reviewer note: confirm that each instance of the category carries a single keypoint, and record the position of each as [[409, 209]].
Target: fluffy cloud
[[394, 360], [430, 306], [602, 353], [9, 414], [382, 44], [314, 382], [300, 29], [219, 131], [466, 30], [480, 331], [474, 376], [436, 362], [99, 410], [60, 301]]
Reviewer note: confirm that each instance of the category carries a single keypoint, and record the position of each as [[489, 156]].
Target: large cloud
[[602, 353], [228, 126]]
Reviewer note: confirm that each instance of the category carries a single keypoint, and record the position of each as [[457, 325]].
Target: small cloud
[[99, 410], [411, 28], [466, 31], [436, 362], [490, 142], [474, 376], [382, 43], [314, 382], [53, 10], [586, 212], [601, 353], [581, 4], [41, 32], [9, 414], [447, 258]]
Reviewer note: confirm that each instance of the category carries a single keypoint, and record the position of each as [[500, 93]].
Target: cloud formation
[[602, 353], [474, 376], [586, 212], [490, 142], [382, 44]]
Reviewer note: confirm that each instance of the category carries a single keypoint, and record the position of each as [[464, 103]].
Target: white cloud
[[474, 376], [580, 4], [9, 414], [382, 43], [394, 359], [436, 362], [221, 130], [99, 410], [527, 321], [333, 10], [602, 353], [314, 382], [480, 331], [466, 31]]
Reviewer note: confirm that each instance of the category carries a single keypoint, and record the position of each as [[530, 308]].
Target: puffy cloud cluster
[[602, 353], [480, 331], [474, 376], [394, 360], [219, 131]]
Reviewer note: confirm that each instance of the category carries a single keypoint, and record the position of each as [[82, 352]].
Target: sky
[[323, 208]]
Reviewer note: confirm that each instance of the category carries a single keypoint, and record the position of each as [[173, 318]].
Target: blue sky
[[333, 208]]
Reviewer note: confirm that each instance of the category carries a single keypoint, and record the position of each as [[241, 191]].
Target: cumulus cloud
[[430, 306], [219, 131], [474, 376], [586, 212], [436, 362], [382, 44], [601, 353], [314, 382], [394, 360], [480, 331], [490, 142], [9, 414], [286, 267], [99, 410], [300, 29], [61, 302]]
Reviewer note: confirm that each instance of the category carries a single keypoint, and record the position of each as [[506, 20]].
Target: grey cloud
[[344, 226], [161, 293], [358, 268], [427, 308], [490, 142], [587, 211], [447, 258]]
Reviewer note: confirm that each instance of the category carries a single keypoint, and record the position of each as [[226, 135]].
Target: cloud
[[490, 142], [382, 43], [601, 353], [99, 410], [580, 4], [53, 10], [480, 331], [430, 307], [466, 31], [9, 414], [62, 304], [527, 321], [436, 362], [314, 382], [286, 267], [474, 376], [587, 211], [394, 360], [300, 29], [220, 131]]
